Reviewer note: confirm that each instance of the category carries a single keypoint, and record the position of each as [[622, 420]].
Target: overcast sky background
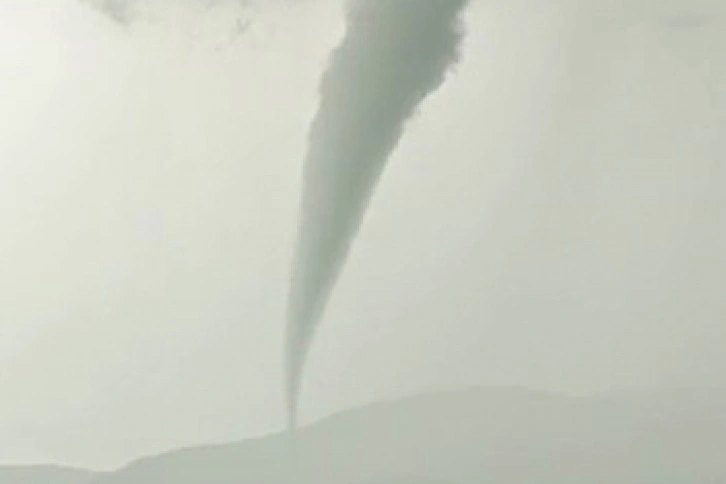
[[554, 218]]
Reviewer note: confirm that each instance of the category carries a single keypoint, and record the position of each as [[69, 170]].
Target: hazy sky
[[554, 218]]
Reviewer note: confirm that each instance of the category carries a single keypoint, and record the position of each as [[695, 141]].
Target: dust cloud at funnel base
[[393, 54]]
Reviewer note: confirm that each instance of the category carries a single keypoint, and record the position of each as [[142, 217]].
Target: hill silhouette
[[500, 435], [504, 436]]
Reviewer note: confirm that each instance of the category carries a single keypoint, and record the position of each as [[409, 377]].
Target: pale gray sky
[[553, 218]]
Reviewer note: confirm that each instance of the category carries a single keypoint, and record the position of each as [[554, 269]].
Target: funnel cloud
[[394, 53]]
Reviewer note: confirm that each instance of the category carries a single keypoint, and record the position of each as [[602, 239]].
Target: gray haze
[[395, 52], [564, 191], [127, 12]]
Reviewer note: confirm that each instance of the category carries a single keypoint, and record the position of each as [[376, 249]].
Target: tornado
[[394, 53]]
